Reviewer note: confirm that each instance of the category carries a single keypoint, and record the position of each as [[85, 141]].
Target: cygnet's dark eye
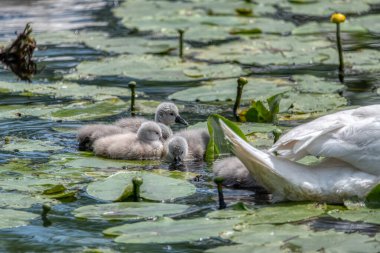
[[172, 114], [157, 133]]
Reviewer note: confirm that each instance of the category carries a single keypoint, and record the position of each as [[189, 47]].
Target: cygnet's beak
[[177, 159], [180, 120]]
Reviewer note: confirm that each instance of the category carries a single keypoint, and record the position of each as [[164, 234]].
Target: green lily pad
[[320, 28], [80, 110], [165, 17], [306, 103], [361, 214], [11, 218], [364, 60], [282, 213], [86, 110], [368, 22], [154, 187], [331, 241], [84, 160], [64, 90], [225, 90], [325, 8], [102, 41], [18, 200], [313, 84], [127, 210], [29, 145], [32, 184], [290, 238], [271, 50], [169, 231], [154, 68]]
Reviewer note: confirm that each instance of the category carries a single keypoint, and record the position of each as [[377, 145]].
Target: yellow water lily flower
[[337, 18]]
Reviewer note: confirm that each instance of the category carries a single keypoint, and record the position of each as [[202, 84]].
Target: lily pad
[[325, 8], [64, 90], [321, 28], [225, 90], [313, 84], [169, 231], [29, 145], [154, 68], [272, 50], [154, 187], [84, 160], [282, 213], [290, 238], [18, 200], [331, 241], [80, 110], [361, 214], [32, 184], [127, 211], [102, 41], [306, 103], [368, 22], [11, 218]]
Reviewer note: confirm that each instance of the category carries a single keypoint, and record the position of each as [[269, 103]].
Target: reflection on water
[[68, 234]]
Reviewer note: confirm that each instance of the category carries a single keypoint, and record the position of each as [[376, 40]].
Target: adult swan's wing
[[352, 136], [330, 181]]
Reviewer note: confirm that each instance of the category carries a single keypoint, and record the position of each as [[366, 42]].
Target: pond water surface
[[67, 234]]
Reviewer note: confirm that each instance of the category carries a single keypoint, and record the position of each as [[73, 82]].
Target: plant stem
[[45, 210], [132, 86], [340, 52], [137, 182], [218, 181], [241, 82], [181, 33]]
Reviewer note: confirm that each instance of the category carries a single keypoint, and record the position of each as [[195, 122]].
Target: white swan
[[350, 141]]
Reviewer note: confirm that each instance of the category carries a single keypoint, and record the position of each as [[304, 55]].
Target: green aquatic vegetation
[[119, 186], [103, 42], [271, 50], [323, 28], [241, 82], [217, 144], [66, 90], [290, 238], [275, 214], [166, 230], [29, 145], [12, 218], [154, 68], [360, 214], [338, 18], [127, 211], [258, 112], [225, 90], [325, 8], [21, 200], [373, 197]]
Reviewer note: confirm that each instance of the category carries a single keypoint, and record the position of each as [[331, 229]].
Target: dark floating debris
[[18, 55]]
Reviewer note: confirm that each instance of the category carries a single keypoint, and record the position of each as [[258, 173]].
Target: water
[[67, 234]]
